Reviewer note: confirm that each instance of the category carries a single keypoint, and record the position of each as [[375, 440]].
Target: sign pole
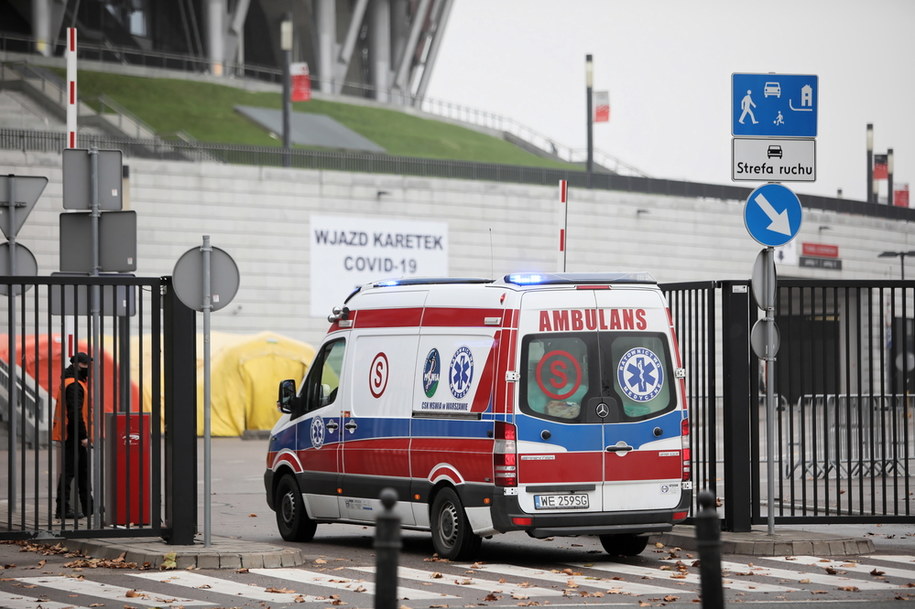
[[563, 223], [95, 310], [207, 305], [770, 393], [13, 389]]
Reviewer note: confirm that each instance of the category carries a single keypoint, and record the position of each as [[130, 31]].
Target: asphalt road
[[511, 570]]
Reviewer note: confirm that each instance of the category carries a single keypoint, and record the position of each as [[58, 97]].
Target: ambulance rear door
[[560, 442], [640, 401]]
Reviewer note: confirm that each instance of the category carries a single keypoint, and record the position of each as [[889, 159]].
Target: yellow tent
[[245, 370]]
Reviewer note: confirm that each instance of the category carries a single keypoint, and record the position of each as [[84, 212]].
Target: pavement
[[243, 531]]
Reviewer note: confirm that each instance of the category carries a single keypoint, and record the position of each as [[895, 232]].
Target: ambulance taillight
[[505, 455], [686, 452]]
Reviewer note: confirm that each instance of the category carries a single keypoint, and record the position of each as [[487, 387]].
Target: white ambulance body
[[552, 404]]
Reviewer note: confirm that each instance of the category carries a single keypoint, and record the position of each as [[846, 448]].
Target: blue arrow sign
[[773, 215], [774, 105]]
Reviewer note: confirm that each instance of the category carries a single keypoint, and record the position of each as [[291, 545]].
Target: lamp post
[[589, 85], [286, 46], [870, 163], [901, 256], [889, 177]]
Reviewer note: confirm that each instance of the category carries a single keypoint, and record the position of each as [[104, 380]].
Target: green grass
[[206, 112]]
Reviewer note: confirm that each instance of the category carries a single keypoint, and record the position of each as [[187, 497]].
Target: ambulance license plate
[[560, 502]]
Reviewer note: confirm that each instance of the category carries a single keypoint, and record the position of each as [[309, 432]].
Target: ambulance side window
[[323, 380]]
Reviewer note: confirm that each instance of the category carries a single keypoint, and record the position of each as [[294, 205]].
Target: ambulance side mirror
[[286, 396]]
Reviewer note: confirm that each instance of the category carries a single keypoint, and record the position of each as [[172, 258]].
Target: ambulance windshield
[[565, 376]]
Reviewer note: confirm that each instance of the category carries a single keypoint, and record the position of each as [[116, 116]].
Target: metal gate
[[844, 443], [135, 385]]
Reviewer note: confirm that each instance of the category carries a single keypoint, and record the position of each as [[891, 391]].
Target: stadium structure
[[383, 49]]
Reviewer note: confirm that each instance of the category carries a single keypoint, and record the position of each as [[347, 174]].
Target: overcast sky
[[667, 65]]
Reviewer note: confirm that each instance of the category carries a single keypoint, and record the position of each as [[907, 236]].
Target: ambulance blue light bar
[[578, 278], [387, 283]]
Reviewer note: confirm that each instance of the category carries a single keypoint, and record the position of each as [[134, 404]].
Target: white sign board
[[773, 160], [348, 251]]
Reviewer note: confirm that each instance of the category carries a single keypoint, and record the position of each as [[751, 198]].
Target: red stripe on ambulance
[[574, 320]]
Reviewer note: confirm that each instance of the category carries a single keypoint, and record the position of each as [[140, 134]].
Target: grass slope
[[206, 112]]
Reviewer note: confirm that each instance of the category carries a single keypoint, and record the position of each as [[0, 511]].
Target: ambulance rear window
[[566, 375]]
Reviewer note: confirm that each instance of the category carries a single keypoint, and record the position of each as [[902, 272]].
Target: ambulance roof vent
[[578, 278]]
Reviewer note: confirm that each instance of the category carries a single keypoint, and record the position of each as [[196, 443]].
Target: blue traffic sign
[[774, 105], [773, 215]]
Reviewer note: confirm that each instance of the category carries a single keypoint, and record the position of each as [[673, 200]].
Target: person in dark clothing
[[71, 427]]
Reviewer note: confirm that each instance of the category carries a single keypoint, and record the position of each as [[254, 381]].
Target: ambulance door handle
[[620, 447], [350, 426], [332, 426]]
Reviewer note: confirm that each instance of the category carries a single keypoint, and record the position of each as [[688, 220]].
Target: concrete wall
[[260, 216]]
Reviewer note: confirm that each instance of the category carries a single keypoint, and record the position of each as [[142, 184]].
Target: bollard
[[387, 548], [708, 541]]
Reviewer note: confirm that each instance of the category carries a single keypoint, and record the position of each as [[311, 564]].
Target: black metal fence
[[844, 443], [120, 322]]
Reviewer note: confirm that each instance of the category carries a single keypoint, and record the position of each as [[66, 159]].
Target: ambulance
[[552, 404]]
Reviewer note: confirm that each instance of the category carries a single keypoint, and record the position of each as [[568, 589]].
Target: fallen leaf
[[491, 597], [877, 573], [849, 588]]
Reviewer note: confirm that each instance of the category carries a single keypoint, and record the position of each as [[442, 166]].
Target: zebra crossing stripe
[[107, 591], [817, 578], [18, 601], [691, 578], [217, 585], [904, 559], [618, 586], [352, 585], [850, 565], [465, 581]]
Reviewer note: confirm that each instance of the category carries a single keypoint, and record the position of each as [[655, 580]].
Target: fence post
[[708, 542], [735, 362], [387, 548], [180, 363]]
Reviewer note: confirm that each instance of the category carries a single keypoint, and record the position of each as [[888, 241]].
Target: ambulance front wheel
[[452, 536], [624, 545], [291, 518]]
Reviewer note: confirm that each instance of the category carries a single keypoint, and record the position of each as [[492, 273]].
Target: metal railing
[[33, 417], [123, 119]]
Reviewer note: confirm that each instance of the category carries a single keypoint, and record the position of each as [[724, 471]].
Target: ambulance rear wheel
[[291, 518], [624, 545], [452, 536]]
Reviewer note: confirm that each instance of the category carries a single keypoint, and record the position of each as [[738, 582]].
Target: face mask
[[82, 374]]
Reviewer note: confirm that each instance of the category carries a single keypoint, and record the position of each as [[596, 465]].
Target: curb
[[759, 543], [222, 553]]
